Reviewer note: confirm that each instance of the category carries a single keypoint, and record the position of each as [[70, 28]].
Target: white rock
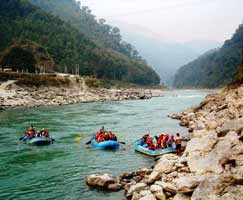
[[160, 195], [155, 175], [169, 187], [136, 196], [145, 192], [148, 197], [136, 188], [181, 196], [186, 184], [100, 180], [156, 188]]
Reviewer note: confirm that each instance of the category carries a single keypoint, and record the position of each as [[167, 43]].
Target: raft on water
[[139, 147], [38, 141], [109, 144]]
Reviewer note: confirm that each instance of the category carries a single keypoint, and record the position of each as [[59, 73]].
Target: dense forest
[[216, 67], [68, 46], [81, 17]]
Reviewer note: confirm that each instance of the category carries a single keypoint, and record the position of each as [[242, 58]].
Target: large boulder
[[202, 141], [186, 184], [181, 196], [211, 187], [136, 196], [98, 180], [231, 125], [148, 197], [136, 188], [168, 187], [164, 165], [157, 190], [202, 162], [233, 192]]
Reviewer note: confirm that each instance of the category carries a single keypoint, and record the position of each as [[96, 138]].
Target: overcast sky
[[173, 20]]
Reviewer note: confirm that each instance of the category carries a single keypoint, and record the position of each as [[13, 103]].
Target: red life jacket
[[46, 133], [31, 134], [150, 143], [144, 138], [101, 138], [106, 136], [163, 142], [97, 136], [172, 140], [112, 136]]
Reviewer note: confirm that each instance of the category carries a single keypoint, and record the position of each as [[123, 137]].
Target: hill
[[166, 57], [215, 68], [81, 17], [67, 46]]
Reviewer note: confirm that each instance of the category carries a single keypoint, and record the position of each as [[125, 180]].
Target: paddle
[[122, 142], [20, 133], [89, 142], [21, 138]]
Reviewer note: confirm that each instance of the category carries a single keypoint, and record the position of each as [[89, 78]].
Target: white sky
[[174, 20]]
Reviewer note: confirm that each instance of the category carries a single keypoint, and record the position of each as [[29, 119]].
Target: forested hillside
[[68, 47], [215, 68], [81, 17]]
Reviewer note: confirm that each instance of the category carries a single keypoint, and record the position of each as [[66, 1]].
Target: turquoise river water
[[58, 171]]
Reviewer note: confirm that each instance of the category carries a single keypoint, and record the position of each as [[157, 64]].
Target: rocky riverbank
[[211, 166], [14, 96]]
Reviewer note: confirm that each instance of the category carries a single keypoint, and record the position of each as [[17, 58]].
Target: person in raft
[[178, 144], [144, 138], [104, 135], [171, 141], [150, 143], [31, 132], [162, 141], [45, 132]]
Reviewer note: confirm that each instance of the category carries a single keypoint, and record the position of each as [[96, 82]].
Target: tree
[[19, 59]]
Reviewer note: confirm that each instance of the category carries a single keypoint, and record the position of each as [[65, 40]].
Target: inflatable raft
[[144, 150], [109, 144], [38, 141]]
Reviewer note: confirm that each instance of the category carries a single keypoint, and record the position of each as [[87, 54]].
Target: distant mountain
[[164, 56], [216, 67], [65, 45]]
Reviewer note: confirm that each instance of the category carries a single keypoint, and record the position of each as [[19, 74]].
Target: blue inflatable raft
[[109, 144], [38, 140], [144, 150]]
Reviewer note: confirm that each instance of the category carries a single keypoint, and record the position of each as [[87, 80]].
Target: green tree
[[19, 59]]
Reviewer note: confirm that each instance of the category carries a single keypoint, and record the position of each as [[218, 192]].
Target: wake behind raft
[[142, 148]]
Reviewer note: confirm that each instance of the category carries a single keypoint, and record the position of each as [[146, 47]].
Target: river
[[58, 171]]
